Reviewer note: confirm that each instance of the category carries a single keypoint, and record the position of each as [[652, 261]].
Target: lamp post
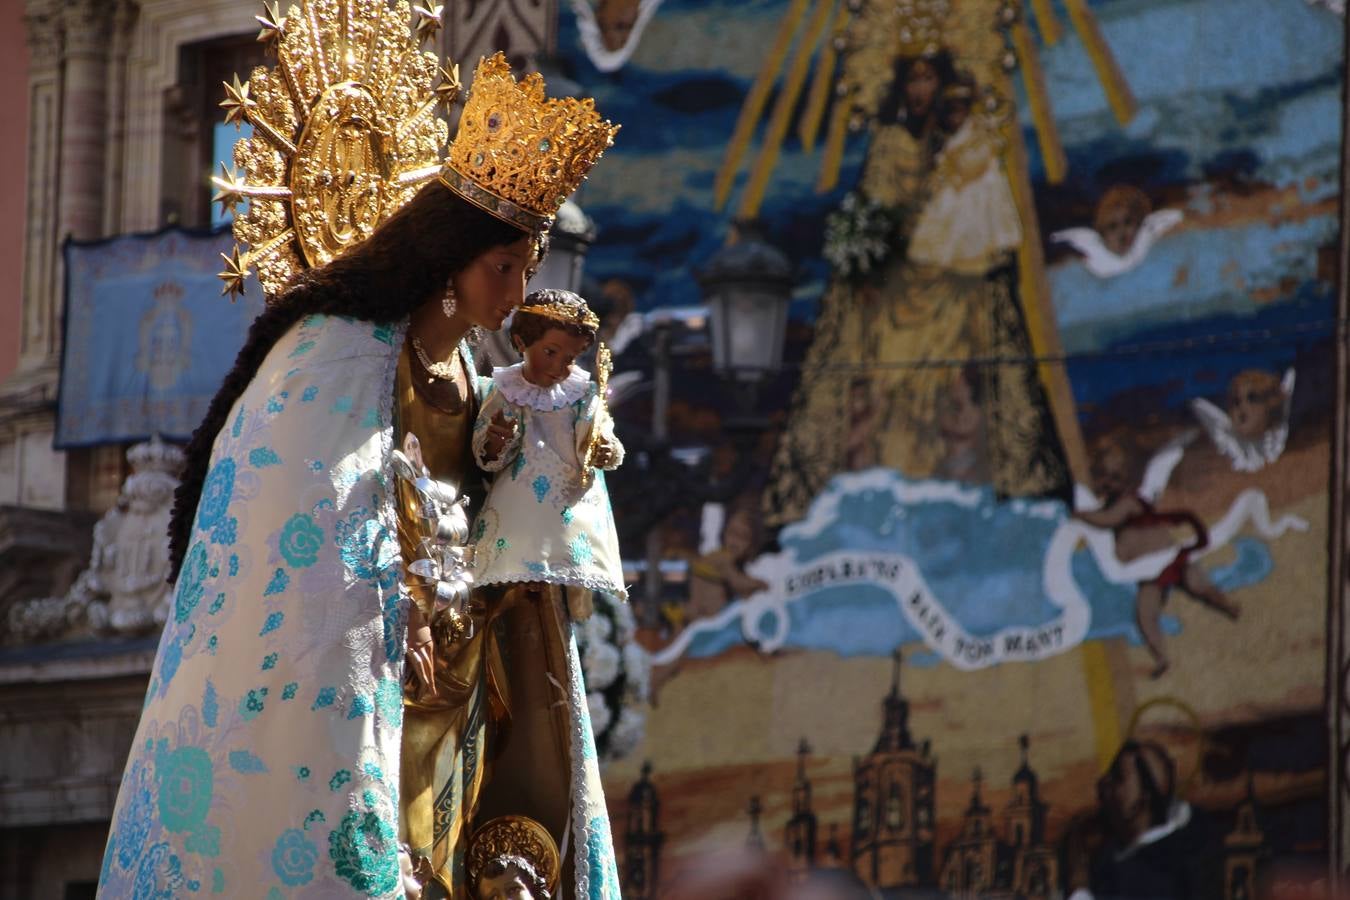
[[747, 285], [569, 240]]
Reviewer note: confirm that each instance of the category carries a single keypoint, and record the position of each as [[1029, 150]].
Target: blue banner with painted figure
[[148, 336]]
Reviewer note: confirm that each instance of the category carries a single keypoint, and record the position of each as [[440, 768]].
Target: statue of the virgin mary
[[313, 726]]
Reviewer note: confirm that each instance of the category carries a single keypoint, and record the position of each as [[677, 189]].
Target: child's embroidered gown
[[539, 523]]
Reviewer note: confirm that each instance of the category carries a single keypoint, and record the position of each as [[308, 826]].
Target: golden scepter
[[603, 364]]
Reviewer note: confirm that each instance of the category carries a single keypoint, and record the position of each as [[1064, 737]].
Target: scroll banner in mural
[[876, 544], [148, 337]]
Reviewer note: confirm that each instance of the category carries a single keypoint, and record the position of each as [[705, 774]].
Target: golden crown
[[517, 154]]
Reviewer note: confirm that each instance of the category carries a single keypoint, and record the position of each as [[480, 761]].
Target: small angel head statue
[[513, 858]]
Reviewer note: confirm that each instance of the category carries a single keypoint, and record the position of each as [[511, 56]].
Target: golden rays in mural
[[344, 130], [837, 48]]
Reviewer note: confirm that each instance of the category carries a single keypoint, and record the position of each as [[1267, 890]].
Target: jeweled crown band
[[490, 203], [572, 315]]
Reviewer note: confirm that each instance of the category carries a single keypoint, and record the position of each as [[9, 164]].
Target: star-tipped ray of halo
[[236, 270], [237, 102], [272, 22], [428, 21], [228, 190], [448, 91]]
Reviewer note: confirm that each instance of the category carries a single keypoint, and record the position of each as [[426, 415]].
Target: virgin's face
[[921, 87], [493, 284]]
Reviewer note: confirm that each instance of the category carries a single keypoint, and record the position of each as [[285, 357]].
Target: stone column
[[84, 116], [38, 329]]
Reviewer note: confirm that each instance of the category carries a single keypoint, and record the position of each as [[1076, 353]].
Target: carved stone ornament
[[125, 589]]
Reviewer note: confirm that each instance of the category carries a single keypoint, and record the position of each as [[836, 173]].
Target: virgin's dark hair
[[404, 263]]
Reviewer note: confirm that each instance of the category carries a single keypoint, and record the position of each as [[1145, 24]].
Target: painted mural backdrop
[[1031, 555]]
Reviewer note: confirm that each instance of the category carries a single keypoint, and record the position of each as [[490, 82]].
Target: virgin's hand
[[421, 651]]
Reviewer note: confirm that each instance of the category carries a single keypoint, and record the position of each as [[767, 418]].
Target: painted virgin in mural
[[924, 283]]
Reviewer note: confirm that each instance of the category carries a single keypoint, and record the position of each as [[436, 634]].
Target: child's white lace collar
[[510, 380]]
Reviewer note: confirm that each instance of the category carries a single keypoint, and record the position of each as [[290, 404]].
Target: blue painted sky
[[1245, 86]]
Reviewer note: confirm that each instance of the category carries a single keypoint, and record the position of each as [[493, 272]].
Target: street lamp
[[748, 287], [569, 240]]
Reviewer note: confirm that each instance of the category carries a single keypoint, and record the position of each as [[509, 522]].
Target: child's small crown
[[563, 307]]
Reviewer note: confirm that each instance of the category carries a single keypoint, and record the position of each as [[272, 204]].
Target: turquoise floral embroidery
[[391, 620], [217, 604], [205, 842], [541, 486], [212, 643], [262, 457], [288, 692], [157, 874], [384, 334], [216, 494], [300, 541], [517, 464], [274, 405], [294, 857], [327, 697], [480, 529], [301, 772], [186, 780], [246, 763], [273, 623], [599, 861], [342, 405], [568, 515], [502, 544], [234, 565], [579, 548], [280, 581], [363, 850], [315, 816], [389, 700], [210, 705], [226, 531], [238, 424], [301, 349], [310, 393], [190, 589], [252, 703], [169, 663], [360, 707], [370, 552], [269, 661], [133, 825], [340, 777]]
